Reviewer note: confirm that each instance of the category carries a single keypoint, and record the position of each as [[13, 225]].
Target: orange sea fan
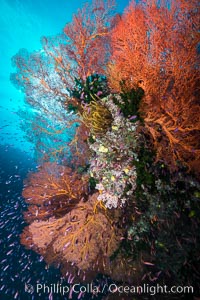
[[84, 236], [82, 242], [53, 191], [158, 45]]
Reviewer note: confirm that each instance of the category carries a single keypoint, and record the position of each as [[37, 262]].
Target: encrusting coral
[[111, 163]]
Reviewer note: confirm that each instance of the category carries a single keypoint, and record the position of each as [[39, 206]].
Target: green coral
[[87, 90], [131, 100]]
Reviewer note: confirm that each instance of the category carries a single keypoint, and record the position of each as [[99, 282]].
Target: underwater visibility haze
[[100, 150]]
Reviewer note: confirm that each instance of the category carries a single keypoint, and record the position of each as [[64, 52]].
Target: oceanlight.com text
[[90, 288], [150, 289]]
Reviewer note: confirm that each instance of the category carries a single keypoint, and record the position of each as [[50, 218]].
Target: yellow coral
[[103, 149], [126, 170], [115, 127], [113, 178]]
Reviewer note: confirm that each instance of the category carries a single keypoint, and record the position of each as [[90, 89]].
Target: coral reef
[[122, 198]]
